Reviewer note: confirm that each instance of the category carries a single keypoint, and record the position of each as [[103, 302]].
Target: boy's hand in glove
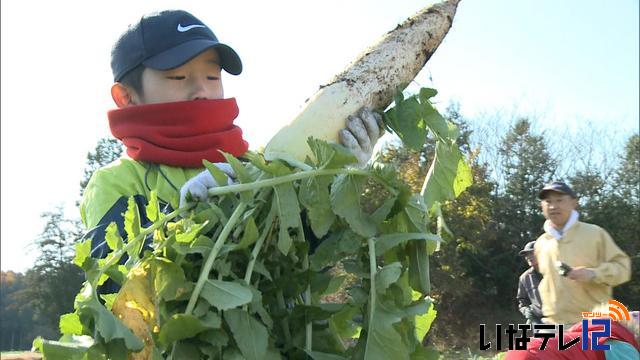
[[361, 134], [199, 185]]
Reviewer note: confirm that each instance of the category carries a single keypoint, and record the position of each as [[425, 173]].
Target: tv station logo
[[617, 312], [519, 335]]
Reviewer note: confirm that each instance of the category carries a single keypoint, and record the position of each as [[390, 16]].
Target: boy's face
[[199, 78]]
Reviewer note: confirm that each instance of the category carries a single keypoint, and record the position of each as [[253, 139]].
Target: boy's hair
[[133, 79]]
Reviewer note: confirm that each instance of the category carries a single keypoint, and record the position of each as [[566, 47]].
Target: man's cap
[[557, 186], [165, 40], [527, 248]]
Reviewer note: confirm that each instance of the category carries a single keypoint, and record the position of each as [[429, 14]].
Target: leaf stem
[[237, 188], [283, 307], [372, 278], [256, 249], [307, 292], [206, 268]]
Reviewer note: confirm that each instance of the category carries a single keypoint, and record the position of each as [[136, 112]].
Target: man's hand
[[581, 273], [199, 185], [362, 133], [527, 312], [530, 315]]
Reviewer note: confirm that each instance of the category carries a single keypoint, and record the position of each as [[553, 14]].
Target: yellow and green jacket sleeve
[[109, 189]]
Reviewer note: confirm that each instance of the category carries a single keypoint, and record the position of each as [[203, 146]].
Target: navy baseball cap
[[527, 248], [165, 40], [557, 186]]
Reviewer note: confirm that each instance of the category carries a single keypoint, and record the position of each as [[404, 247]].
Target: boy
[[171, 115]]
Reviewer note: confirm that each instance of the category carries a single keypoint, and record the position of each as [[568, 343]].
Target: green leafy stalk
[[139, 238], [419, 267], [307, 295], [238, 188], [283, 307], [258, 246], [373, 268], [231, 315], [411, 119], [307, 301], [204, 273]]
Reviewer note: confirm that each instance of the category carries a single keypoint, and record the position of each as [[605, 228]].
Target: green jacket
[[109, 189]]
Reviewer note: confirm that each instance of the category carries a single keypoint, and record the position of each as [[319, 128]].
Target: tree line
[[31, 303], [474, 275]]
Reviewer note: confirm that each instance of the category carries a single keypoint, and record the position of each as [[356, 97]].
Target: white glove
[[199, 185], [362, 133]]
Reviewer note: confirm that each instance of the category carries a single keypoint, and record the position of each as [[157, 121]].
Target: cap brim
[[544, 193], [524, 252], [182, 53]]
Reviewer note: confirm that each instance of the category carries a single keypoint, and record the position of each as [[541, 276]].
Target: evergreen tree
[[469, 270], [527, 166], [54, 279], [16, 319], [627, 231], [616, 208], [628, 174], [107, 150]]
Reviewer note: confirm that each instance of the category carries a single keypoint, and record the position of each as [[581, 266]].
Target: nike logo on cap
[[189, 27]]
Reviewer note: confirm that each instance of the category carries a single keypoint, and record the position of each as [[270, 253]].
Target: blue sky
[[578, 58], [567, 61]]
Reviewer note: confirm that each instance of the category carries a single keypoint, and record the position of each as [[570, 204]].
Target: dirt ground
[[21, 356]]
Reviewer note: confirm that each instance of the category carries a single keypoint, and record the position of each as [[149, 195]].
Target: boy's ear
[[123, 96]]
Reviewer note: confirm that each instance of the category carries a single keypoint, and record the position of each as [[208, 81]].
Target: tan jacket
[[563, 299]]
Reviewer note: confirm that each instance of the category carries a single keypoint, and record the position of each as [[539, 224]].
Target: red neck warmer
[[179, 133]]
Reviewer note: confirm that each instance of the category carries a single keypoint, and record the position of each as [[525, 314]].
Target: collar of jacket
[[549, 229]]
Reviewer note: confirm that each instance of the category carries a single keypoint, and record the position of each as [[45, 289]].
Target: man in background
[[579, 262], [528, 296]]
